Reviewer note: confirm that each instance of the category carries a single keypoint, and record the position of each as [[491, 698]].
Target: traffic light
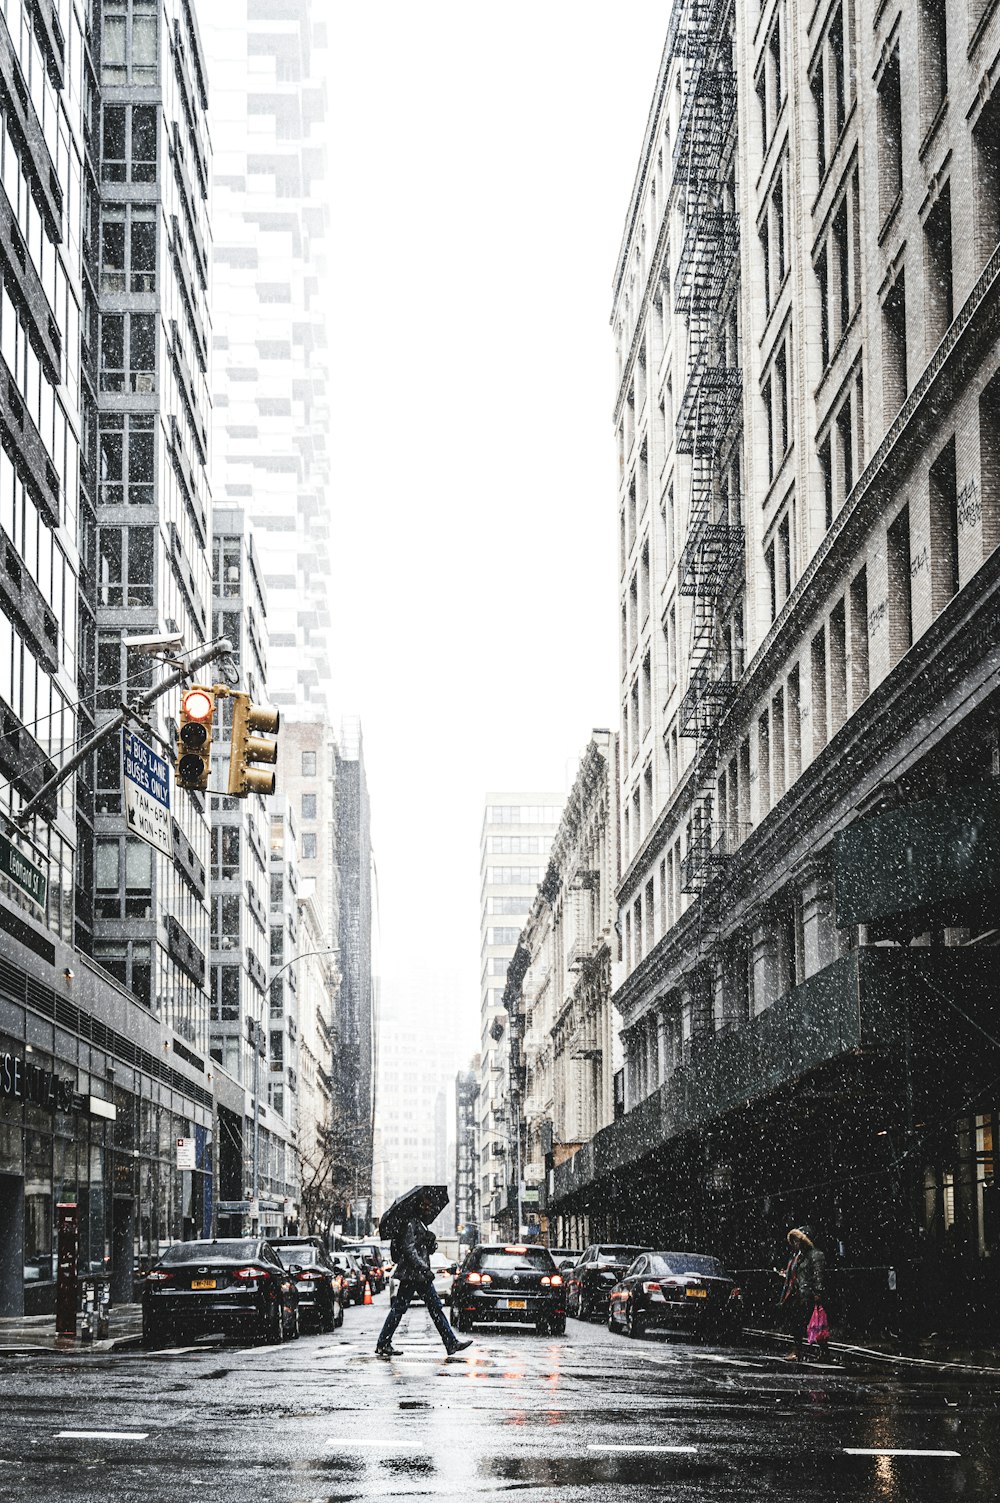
[[194, 738], [248, 748]]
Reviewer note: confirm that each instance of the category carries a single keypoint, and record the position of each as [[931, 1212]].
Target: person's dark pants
[[405, 1292]]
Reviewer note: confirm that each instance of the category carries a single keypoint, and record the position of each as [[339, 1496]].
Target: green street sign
[[22, 872]]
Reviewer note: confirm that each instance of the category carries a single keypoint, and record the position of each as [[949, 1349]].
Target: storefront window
[[38, 1262]]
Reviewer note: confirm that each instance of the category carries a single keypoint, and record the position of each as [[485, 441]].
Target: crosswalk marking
[[674, 1450], [893, 1451], [102, 1435]]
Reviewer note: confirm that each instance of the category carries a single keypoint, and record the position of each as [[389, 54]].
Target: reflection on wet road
[[588, 1416]]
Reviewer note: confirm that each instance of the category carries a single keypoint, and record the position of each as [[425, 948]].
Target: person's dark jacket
[[411, 1250], [804, 1278]]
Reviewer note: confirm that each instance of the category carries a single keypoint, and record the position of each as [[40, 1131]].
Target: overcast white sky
[[482, 159]]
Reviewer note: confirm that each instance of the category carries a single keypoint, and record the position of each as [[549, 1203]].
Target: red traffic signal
[[194, 738]]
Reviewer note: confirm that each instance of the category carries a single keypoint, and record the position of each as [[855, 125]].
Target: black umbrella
[[425, 1201]]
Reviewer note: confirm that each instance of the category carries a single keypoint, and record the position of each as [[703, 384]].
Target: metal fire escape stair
[[710, 407]]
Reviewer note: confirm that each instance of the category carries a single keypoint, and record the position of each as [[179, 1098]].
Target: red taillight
[[245, 1274], [311, 1273], [652, 1288], [474, 1278], [735, 1293], [556, 1280], [487, 1278], [159, 1276]]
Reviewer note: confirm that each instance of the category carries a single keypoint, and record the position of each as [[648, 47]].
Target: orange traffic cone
[[368, 1294]]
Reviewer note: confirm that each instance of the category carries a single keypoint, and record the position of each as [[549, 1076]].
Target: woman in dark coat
[[411, 1250], [803, 1289]]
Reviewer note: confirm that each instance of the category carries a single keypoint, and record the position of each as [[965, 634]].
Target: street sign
[[23, 873], [185, 1153], [146, 779]]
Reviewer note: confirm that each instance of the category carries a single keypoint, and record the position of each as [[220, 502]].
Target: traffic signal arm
[[248, 748]]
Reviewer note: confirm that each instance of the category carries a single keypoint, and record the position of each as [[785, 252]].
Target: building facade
[[270, 218], [516, 838], [558, 992], [807, 366], [466, 1163]]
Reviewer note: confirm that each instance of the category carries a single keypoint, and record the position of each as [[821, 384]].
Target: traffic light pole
[[207, 654]]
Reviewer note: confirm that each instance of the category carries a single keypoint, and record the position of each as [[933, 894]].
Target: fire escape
[[713, 557]]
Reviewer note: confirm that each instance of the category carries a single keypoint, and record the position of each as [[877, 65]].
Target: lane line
[[672, 1450], [102, 1435], [892, 1451], [348, 1442]]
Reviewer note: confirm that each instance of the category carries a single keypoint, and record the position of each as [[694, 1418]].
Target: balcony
[[860, 1006]]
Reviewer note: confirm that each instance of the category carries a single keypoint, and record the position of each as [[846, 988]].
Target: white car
[[444, 1273]]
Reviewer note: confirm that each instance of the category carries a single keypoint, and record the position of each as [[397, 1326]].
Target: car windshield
[[508, 1260], [683, 1262], [303, 1252], [618, 1254], [193, 1252]]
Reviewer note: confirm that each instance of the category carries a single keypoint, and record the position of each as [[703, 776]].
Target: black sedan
[[234, 1285], [316, 1279], [592, 1279], [687, 1291], [499, 1283]]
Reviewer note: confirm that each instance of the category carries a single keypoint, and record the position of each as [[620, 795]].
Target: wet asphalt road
[[588, 1416]]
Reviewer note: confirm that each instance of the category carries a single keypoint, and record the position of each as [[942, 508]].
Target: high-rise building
[[466, 1164], [515, 843], [354, 1078], [809, 513], [103, 506], [270, 218]]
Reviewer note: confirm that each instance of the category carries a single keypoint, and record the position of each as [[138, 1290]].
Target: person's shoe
[[460, 1346], [792, 1357], [388, 1351]]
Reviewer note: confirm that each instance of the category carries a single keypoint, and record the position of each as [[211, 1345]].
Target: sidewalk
[[24, 1334], [941, 1353]]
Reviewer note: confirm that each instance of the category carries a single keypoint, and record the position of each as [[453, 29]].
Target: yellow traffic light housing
[[194, 738], [248, 748]]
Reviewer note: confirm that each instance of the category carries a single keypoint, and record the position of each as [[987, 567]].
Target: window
[[989, 465], [890, 132], [128, 248], [125, 566], [939, 306], [128, 42], [838, 667], [129, 139], [818, 664], [944, 528], [225, 851], [134, 335], [309, 847], [127, 458], [859, 638], [933, 54], [309, 806], [308, 764], [900, 584], [986, 189]]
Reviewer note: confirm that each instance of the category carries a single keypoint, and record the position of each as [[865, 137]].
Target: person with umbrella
[[412, 1243]]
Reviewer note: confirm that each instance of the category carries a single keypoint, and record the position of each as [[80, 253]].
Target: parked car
[[500, 1282], [688, 1291], [593, 1277], [235, 1285], [444, 1274], [353, 1275], [369, 1255], [317, 1280]]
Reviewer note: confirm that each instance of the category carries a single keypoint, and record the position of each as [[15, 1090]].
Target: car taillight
[[487, 1278], [311, 1273], [735, 1293], [245, 1274], [652, 1288], [158, 1276], [474, 1278], [554, 1281]]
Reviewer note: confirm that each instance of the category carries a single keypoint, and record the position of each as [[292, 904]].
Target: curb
[[872, 1353], [79, 1349]]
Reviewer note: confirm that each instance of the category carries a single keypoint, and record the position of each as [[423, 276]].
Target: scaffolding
[[710, 409]]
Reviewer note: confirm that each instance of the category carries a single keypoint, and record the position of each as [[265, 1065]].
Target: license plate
[[512, 1304], [202, 1283], [697, 1294]]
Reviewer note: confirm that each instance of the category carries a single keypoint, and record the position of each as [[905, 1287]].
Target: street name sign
[[146, 780], [23, 873]]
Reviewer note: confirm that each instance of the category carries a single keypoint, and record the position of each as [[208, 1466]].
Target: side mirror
[[295, 1269]]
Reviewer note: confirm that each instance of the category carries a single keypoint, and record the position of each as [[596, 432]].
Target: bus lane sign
[[146, 780]]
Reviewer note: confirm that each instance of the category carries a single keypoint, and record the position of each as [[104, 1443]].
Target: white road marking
[[673, 1450], [891, 1451], [102, 1435], [349, 1443]]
